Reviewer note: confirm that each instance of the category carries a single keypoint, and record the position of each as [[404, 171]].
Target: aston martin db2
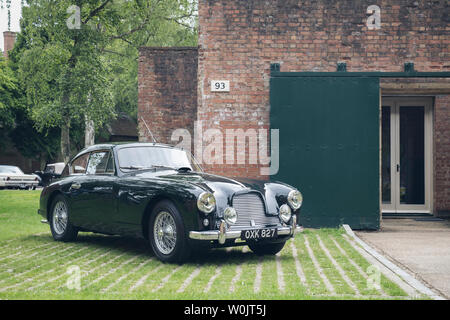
[[160, 193]]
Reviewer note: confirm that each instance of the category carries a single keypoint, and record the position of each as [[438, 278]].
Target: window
[[79, 164], [98, 162], [110, 166]]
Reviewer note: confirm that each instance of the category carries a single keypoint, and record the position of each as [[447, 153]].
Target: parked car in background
[[11, 177], [159, 192], [52, 171]]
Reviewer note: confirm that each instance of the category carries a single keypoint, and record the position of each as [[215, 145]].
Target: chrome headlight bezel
[[230, 215], [206, 202], [295, 199], [285, 213]]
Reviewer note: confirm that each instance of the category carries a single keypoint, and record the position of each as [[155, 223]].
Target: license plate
[[259, 234]]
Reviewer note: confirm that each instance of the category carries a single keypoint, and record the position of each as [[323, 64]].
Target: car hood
[[224, 188]]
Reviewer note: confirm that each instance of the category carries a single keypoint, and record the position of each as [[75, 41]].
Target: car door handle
[[75, 186]]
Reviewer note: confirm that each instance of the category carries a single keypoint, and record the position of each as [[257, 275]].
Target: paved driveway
[[422, 247]]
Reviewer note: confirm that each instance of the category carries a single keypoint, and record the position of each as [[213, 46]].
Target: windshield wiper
[[135, 168]]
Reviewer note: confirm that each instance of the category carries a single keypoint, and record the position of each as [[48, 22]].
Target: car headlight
[[295, 199], [285, 213], [206, 202], [230, 215]]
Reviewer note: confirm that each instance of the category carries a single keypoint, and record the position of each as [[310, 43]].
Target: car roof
[[122, 145], [8, 166]]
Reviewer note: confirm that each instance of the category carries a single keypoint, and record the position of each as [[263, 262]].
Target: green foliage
[[71, 73], [9, 95]]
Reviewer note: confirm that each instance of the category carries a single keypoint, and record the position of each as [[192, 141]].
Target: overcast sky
[[15, 17]]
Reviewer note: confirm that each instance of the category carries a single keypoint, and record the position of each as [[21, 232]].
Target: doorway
[[406, 157]]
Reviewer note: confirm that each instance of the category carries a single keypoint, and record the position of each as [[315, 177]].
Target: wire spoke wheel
[[165, 232], [60, 217]]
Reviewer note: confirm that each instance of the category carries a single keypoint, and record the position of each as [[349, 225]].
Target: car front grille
[[250, 208]]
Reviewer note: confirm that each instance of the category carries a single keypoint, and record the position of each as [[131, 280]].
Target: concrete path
[[422, 247]]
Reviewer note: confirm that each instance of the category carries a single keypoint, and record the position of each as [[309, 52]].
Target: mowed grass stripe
[[293, 282], [174, 280], [38, 256], [212, 277], [166, 279], [269, 282], [36, 253], [111, 272], [337, 266], [244, 285], [59, 281], [229, 260], [298, 265], [353, 270], [36, 265], [389, 287], [154, 279], [148, 273], [36, 268], [280, 275], [318, 267], [336, 280], [258, 276], [314, 281], [125, 274], [189, 279], [41, 272], [4, 253]]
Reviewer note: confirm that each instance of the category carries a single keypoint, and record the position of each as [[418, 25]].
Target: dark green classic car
[[159, 192]]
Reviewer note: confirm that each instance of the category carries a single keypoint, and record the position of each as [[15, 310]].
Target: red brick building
[[240, 39]]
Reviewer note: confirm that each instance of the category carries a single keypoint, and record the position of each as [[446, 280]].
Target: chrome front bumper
[[223, 234]]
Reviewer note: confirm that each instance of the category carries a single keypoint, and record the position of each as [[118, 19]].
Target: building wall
[[442, 155], [167, 100], [240, 38]]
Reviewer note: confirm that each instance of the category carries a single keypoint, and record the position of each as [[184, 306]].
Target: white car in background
[[14, 178]]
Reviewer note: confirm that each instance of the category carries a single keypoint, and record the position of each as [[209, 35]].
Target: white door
[[406, 155]]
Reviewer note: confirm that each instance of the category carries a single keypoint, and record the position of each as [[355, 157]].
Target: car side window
[[110, 165], [98, 162], [78, 165]]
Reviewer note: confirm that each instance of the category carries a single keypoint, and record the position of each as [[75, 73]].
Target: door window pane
[[79, 164], [97, 162], [412, 155]]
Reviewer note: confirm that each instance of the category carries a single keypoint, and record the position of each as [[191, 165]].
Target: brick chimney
[[9, 38]]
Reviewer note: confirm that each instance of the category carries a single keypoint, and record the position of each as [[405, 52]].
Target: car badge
[[252, 222]]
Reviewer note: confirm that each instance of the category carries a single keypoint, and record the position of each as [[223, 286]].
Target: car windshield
[[149, 157], [9, 169]]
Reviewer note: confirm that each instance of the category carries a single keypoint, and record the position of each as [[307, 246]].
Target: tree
[[11, 99], [66, 58]]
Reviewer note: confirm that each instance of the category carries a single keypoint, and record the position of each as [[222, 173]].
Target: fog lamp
[[285, 213], [230, 215]]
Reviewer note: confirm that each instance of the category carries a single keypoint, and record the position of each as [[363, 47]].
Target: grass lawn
[[317, 264]]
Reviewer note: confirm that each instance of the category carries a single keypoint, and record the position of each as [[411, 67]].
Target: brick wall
[[442, 155], [167, 100], [9, 39], [240, 38]]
